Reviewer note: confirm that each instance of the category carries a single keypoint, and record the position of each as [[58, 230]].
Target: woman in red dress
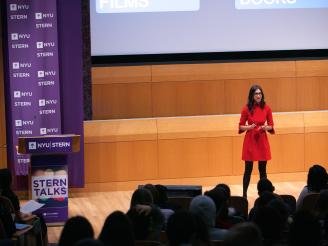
[[256, 146]]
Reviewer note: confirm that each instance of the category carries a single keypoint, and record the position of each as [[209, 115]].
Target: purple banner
[[33, 73]]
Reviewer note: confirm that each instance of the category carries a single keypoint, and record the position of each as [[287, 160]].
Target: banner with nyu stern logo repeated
[[33, 73]]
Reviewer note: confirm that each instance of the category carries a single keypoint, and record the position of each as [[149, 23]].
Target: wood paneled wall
[[206, 89], [3, 150], [197, 147]]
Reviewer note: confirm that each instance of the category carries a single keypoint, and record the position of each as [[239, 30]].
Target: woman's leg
[[247, 176], [262, 169]]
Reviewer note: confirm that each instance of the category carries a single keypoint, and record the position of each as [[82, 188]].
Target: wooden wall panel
[[312, 68], [222, 71], [207, 89], [235, 95], [129, 74], [183, 158], [308, 91], [220, 156], [280, 93], [194, 147], [289, 152], [122, 101], [316, 145], [3, 157], [120, 161], [188, 98], [237, 162], [120, 130]]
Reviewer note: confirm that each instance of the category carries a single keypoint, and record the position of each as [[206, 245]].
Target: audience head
[[304, 230], [219, 197], [186, 228], [244, 234], [264, 184], [141, 196], [317, 178], [204, 207], [265, 198], [117, 230], [75, 229], [154, 192], [5, 179], [226, 189]]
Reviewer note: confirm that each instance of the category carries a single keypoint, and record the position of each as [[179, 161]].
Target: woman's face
[[258, 96]]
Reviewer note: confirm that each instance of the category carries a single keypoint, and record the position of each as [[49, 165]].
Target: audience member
[[117, 230], [204, 207], [6, 190], [147, 222], [263, 185], [141, 196], [75, 229], [185, 228], [155, 194], [316, 181]]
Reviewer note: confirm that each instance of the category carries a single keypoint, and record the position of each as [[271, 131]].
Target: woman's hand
[[252, 126]]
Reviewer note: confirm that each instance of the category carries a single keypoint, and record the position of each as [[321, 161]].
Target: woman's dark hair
[[226, 189], [264, 184], [117, 230], [251, 93], [317, 178], [5, 179], [75, 229], [141, 196], [154, 192]]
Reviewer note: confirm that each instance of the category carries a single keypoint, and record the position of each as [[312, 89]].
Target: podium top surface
[[49, 144]]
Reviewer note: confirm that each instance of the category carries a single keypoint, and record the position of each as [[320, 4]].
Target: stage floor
[[97, 206]]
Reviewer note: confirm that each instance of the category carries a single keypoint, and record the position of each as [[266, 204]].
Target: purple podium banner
[[33, 73], [50, 187]]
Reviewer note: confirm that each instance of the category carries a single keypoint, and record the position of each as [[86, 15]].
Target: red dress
[[256, 145]]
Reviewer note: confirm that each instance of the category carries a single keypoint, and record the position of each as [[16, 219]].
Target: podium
[[48, 179]]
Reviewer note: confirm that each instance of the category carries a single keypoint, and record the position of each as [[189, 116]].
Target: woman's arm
[[266, 128]]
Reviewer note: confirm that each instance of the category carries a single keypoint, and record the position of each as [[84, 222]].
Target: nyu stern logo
[[32, 145]]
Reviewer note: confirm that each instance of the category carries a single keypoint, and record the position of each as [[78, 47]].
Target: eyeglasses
[[258, 93]]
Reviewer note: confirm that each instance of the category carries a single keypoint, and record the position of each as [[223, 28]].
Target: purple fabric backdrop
[[33, 74], [71, 77], [69, 28]]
